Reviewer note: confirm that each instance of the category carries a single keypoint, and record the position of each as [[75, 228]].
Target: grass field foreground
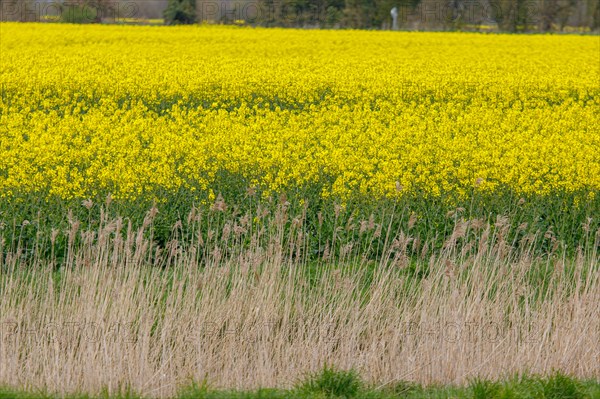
[[124, 313]]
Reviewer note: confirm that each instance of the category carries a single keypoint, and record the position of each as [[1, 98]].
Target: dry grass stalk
[[125, 313]]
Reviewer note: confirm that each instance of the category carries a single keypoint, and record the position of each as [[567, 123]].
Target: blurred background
[[470, 15]]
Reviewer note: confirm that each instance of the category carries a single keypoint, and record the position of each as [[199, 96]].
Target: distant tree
[[87, 11], [555, 12], [512, 15], [180, 12], [376, 13], [404, 8], [593, 11], [459, 13], [360, 14], [300, 13], [19, 10]]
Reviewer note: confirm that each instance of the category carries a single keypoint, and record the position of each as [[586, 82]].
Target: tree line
[[503, 15]]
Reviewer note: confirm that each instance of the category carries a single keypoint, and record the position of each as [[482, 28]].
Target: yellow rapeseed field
[[136, 111]]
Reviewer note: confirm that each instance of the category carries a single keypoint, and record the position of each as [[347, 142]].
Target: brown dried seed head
[[412, 220], [363, 226], [88, 204], [153, 211]]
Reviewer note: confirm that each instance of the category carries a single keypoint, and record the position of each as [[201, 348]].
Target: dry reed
[[240, 307]]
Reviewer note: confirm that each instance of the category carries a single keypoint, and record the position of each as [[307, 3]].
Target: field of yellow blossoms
[[136, 111], [153, 112]]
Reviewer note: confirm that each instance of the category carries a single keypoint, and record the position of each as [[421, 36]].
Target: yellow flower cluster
[[133, 110]]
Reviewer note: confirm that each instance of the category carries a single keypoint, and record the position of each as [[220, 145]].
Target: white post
[[394, 13]]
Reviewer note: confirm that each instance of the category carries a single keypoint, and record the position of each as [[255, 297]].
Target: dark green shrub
[[560, 386], [79, 14], [332, 383], [180, 12], [483, 389]]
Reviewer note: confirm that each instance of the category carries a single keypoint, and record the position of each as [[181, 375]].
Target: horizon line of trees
[[502, 15]]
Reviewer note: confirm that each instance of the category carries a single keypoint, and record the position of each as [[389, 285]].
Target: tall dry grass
[[241, 307]]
